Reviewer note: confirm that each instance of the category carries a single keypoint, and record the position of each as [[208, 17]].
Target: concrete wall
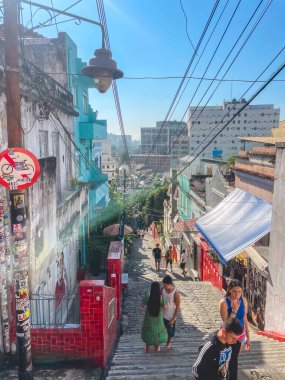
[[216, 189], [275, 299]]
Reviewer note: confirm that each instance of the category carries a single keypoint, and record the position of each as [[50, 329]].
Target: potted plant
[[74, 183]]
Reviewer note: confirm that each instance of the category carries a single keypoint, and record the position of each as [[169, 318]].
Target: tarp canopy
[[235, 223]]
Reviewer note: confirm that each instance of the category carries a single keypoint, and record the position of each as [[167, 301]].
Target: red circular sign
[[19, 168]]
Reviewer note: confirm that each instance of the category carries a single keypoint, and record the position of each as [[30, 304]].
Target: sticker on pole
[[19, 168]]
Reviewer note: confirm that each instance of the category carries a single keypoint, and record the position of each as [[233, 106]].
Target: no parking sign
[[19, 168]]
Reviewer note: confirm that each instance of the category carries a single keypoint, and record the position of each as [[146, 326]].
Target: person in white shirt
[[172, 296], [184, 258]]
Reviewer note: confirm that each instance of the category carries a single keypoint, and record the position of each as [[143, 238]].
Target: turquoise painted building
[[184, 199], [190, 204], [89, 133]]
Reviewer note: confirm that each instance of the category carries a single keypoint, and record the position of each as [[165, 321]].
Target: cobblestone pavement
[[54, 371], [199, 301], [199, 316]]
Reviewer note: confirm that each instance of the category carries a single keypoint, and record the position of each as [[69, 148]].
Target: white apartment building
[[161, 138], [254, 120], [109, 164], [180, 148]]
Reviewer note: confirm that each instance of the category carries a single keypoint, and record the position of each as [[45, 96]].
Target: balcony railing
[[49, 310], [38, 82]]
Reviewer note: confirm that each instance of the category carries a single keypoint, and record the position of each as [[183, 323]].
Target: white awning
[[235, 223]]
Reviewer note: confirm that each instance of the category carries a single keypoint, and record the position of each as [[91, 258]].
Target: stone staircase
[[199, 316], [131, 362]]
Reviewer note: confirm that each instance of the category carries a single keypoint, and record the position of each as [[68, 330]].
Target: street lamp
[[103, 69]]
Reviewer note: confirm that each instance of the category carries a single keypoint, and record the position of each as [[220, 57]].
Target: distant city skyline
[[147, 42]]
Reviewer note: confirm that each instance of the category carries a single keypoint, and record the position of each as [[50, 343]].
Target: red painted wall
[[95, 337], [209, 271], [115, 268]]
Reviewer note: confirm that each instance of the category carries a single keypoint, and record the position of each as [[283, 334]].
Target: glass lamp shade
[[103, 82], [103, 69]]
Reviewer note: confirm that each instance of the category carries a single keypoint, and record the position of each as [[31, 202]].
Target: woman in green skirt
[[154, 332]]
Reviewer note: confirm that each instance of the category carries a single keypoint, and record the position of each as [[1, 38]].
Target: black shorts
[[182, 265], [170, 328], [168, 261]]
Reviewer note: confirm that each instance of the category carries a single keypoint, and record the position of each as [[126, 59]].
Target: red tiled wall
[[115, 275], [93, 340]]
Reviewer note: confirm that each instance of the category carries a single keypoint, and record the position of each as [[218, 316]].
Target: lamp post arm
[[69, 15]]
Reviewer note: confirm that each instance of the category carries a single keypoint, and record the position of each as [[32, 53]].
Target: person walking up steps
[[154, 332], [184, 258], [235, 305], [169, 257], [157, 257], [218, 356], [172, 296]]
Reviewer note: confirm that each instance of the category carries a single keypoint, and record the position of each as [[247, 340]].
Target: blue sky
[[148, 38]]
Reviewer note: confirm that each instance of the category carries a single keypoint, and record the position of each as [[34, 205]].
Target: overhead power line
[[262, 88], [177, 134], [184, 77], [102, 18], [186, 25]]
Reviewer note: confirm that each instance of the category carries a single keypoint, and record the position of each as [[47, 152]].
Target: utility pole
[[124, 183], [18, 199]]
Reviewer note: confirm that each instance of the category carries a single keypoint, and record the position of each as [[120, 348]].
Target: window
[[43, 137], [238, 121], [74, 92], [198, 122], [233, 141], [86, 156], [234, 122], [245, 115], [244, 128], [55, 143], [85, 104]]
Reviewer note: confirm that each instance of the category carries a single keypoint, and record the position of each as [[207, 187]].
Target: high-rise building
[[159, 141], [254, 120]]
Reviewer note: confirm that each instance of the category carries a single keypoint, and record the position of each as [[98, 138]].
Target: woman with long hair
[[235, 305], [153, 331]]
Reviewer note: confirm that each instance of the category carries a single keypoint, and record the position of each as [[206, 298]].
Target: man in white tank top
[[172, 296]]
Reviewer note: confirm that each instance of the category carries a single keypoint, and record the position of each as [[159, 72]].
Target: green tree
[[231, 161]]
